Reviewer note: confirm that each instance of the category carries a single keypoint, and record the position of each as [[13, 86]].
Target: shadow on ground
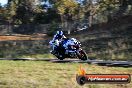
[[98, 62]]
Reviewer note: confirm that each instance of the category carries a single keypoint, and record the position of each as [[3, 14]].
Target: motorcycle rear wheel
[[82, 55]]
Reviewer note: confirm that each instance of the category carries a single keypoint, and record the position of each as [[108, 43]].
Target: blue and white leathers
[[57, 39]]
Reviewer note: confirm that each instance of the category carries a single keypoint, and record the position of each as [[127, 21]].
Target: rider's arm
[[54, 38], [63, 37]]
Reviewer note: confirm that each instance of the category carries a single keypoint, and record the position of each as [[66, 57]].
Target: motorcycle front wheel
[[60, 57]]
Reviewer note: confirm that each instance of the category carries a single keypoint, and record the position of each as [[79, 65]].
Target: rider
[[57, 41]]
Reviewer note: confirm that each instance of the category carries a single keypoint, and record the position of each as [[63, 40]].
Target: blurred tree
[[90, 8], [9, 1], [46, 11], [113, 8], [19, 10], [66, 9], [2, 14]]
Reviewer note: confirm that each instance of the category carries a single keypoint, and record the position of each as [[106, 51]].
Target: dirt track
[[22, 37]]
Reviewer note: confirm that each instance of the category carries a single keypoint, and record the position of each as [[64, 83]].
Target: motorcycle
[[69, 48]]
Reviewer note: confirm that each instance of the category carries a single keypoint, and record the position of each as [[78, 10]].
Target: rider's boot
[[52, 52], [66, 51]]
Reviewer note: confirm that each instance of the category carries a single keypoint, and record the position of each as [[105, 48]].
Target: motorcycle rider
[[56, 42], [66, 47]]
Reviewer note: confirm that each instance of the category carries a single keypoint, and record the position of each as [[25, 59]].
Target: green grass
[[42, 74], [36, 56]]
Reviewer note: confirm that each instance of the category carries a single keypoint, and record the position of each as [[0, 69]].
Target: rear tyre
[[82, 55]]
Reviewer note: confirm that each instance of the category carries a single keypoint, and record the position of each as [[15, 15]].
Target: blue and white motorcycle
[[69, 48]]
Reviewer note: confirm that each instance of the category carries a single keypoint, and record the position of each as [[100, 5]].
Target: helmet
[[59, 34]]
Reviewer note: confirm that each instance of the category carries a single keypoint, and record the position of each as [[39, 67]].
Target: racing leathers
[[56, 42]]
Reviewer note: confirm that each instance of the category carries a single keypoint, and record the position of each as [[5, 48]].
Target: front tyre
[[60, 57], [82, 55]]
